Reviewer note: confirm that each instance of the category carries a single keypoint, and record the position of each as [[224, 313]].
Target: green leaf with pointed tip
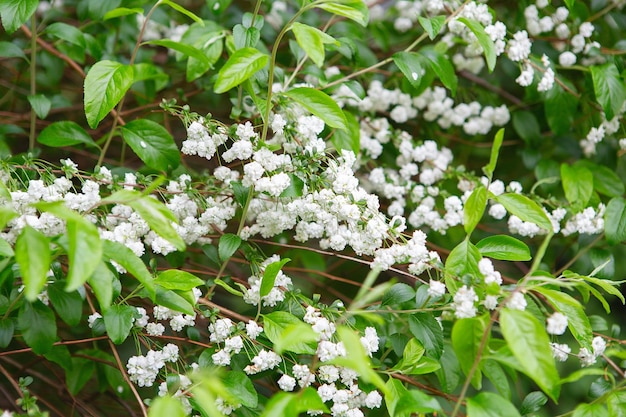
[[15, 13], [277, 322], [591, 410], [442, 66], [228, 245], [615, 220], [530, 345], [504, 248], [269, 276], [175, 300], [312, 41], [349, 139], [122, 255], [578, 185], [174, 279], [40, 104], [69, 306], [240, 387], [525, 208], [11, 50], [184, 11], [166, 406], [106, 84], [432, 25], [65, 133], [183, 48], [152, 143], [609, 88], [101, 282], [66, 32], [484, 40], [488, 404], [118, 320], [32, 253], [495, 151], [474, 208], [428, 331], [241, 65], [463, 260], [293, 336], [320, 104], [352, 9], [467, 336], [7, 328], [122, 11], [38, 326], [411, 65]]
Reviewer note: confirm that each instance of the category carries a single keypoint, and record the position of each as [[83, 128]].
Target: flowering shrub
[[329, 207]]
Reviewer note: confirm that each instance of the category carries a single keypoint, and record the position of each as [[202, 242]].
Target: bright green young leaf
[[7, 329], [240, 387], [578, 184], [175, 279], [398, 293], [69, 306], [488, 404], [428, 331], [411, 65], [467, 336], [577, 320], [98, 8], [122, 255], [166, 406], [275, 324], [40, 104], [432, 25], [609, 286], [269, 276], [118, 320], [312, 41], [182, 10], [615, 220], [15, 13], [241, 65], [246, 37], [474, 208], [296, 185], [530, 345], [152, 143], [484, 40], [101, 282], [463, 260], [181, 47], [227, 287], [11, 50], [442, 66], [504, 248], [560, 109], [37, 326], [495, 151], [293, 336], [609, 88], [616, 403], [65, 133], [228, 245], [32, 253], [525, 208], [106, 84], [411, 356], [591, 410], [404, 403], [320, 104], [6, 251], [6, 214], [175, 300], [122, 11], [352, 9]]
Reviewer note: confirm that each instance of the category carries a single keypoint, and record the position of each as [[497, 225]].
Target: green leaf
[[352, 9], [123, 256], [616, 403], [397, 294], [269, 276], [11, 50], [212, 45], [166, 406], [411, 356], [312, 41], [106, 84], [174, 279], [525, 208], [560, 109], [66, 133], [241, 388], [504, 248], [181, 47], [488, 404], [467, 335], [78, 374], [494, 372], [7, 328], [410, 63], [296, 186], [246, 36], [463, 260], [69, 306], [37, 325], [320, 104], [609, 88], [152, 143], [404, 403], [533, 402], [495, 151], [274, 325], [294, 336], [6, 251], [118, 320], [15, 13], [578, 185], [442, 66], [577, 320], [98, 8], [428, 331], [184, 11], [6, 214], [32, 253], [530, 345], [474, 208], [228, 245], [175, 300], [591, 410], [122, 11], [484, 40], [527, 127], [610, 287], [349, 139], [67, 33], [101, 282], [241, 65], [40, 104], [227, 287], [605, 180], [432, 25], [615, 220]]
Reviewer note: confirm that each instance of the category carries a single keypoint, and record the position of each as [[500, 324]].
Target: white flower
[[328, 373], [221, 358], [370, 341], [263, 361], [557, 323], [464, 302], [373, 400], [560, 352], [155, 329], [519, 46], [436, 288], [253, 330], [233, 344], [567, 59], [170, 352], [490, 302], [586, 358], [517, 301], [327, 391], [599, 345], [547, 81], [92, 319], [287, 383], [221, 329], [497, 211]]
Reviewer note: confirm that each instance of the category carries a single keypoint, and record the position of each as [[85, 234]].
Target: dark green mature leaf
[[530, 345], [38, 326], [615, 220], [101, 282], [69, 306], [442, 66], [175, 300], [212, 45], [504, 248], [526, 126], [15, 13], [269, 276], [312, 41], [560, 109], [32, 253], [352, 9], [79, 373], [493, 371], [591, 410], [118, 320], [228, 245], [474, 208], [152, 143], [65, 133], [411, 65], [67, 33], [398, 293], [174, 279], [488, 404], [11, 50], [432, 25], [40, 104], [106, 84], [349, 139], [467, 335], [609, 88], [533, 402], [428, 331], [241, 65], [605, 180], [525, 208], [166, 406], [463, 260], [122, 255], [7, 328], [320, 104], [484, 40], [578, 184]]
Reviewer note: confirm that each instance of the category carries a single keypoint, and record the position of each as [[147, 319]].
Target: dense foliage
[[330, 207]]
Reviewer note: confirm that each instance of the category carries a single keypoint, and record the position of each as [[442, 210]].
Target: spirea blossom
[[557, 323]]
